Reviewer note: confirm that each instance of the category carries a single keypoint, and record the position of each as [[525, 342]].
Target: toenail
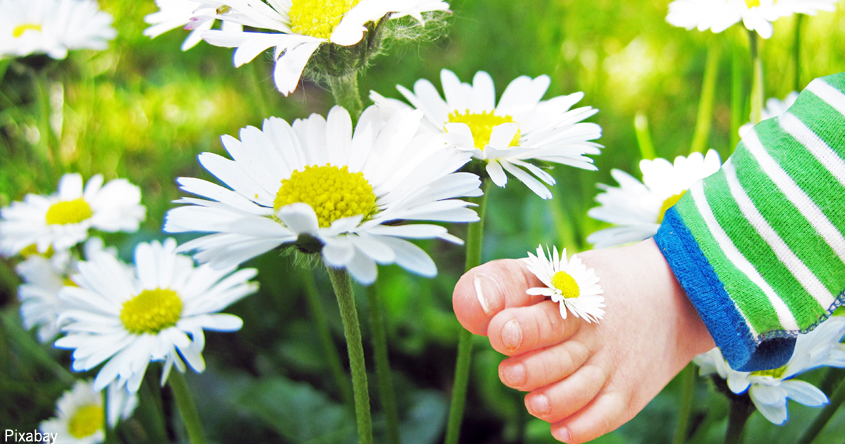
[[514, 374], [489, 294], [540, 405], [512, 335], [562, 434]]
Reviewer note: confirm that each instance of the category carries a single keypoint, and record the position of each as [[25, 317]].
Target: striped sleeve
[[759, 247]]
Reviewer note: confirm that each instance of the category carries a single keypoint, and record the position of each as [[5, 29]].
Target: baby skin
[[586, 379]]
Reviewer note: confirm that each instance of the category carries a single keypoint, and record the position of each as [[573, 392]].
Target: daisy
[[154, 312], [769, 389], [296, 28], [774, 107], [63, 219], [329, 190], [52, 27], [756, 15], [569, 284], [637, 208], [80, 415], [174, 14], [509, 135], [43, 278]]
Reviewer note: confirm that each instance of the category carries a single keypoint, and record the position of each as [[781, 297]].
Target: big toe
[[486, 290]]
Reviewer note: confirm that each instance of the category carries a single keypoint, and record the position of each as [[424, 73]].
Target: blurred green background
[[143, 110]]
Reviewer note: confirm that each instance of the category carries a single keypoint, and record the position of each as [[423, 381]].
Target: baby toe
[[536, 369], [515, 331], [560, 400]]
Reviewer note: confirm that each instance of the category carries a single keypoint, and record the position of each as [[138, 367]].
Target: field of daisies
[[242, 222]]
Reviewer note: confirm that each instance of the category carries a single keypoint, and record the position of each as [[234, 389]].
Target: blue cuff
[[726, 325]]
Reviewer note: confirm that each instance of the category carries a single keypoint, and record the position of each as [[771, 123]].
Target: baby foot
[[586, 379]]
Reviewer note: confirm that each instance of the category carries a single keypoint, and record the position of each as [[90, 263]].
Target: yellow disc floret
[[318, 18], [668, 203], [86, 421], [566, 284], [20, 29], [774, 373], [69, 212], [333, 193], [752, 3], [32, 250], [482, 126], [151, 311]]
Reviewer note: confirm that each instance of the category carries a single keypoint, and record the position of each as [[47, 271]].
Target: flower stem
[[643, 137], [757, 95], [383, 374], [187, 407], [708, 94], [48, 147], [818, 424], [346, 94], [741, 409], [796, 48], [687, 391], [475, 233], [10, 327], [736, 97], [332, 355], [342, 284]]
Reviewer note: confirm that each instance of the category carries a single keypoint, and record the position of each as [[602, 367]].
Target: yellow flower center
[[566, 284], [32, 250], [69, 212], [69, 283], [482, 126], [151, 311], [668, 203], [333, 193], [774, 373], [87, 421], [752, 3], [20, 29], [318, 18]]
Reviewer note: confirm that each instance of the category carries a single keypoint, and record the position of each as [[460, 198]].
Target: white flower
[[318, 180], [520, 128], [769, 389], [568, 283], [174, 14], [756, 15], [43, 278], [298, 27], [52, 27], [80, 415], [63, 219], [128, 319], [637, 208], [774, 108]]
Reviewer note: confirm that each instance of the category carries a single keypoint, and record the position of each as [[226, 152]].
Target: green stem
[[4, 65], [383, 374], [687, 391], [319, 314], [187, 407], [13, 330], [342, 284], [796, 52], [737, 97], [47, 147], [741, 409], [254, 71], [475, 233], [757, 94], [708, 94], [644, 137], [818, 424], [346, 94]]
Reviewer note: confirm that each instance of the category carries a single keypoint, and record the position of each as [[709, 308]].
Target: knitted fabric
[[759, 247]]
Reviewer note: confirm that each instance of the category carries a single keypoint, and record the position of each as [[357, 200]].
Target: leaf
[[425, 419]]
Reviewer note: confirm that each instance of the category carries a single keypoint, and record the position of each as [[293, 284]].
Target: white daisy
[[52, 27], [174, 14], [43, 278], [63, 219], [568, 283], [298, 27], [508, 135], [769, 389], [637, 208], [756, 15], [128, 319], [80, 416], [774, 107], [317, 180]]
